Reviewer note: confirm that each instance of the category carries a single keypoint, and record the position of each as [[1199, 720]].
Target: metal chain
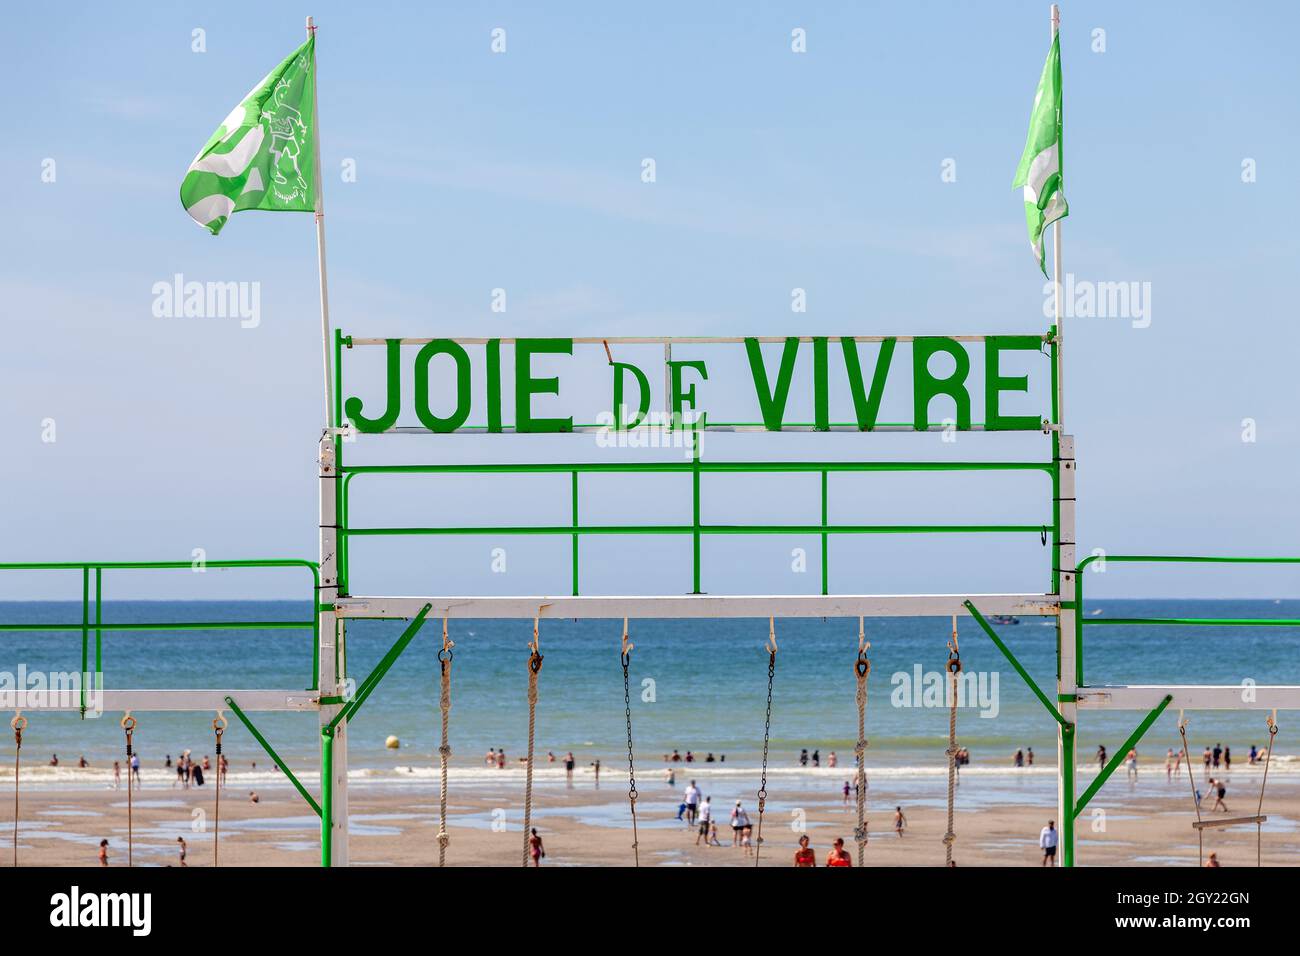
[[954, 668], [862, 666], [1259, 811], [218, 728], [128, 725], [534, 668], [444, 752], [631, 762], [18, 725], [767, 730]]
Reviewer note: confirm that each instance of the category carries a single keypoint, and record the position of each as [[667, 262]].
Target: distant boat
[[1096, 611], [1004, 619]]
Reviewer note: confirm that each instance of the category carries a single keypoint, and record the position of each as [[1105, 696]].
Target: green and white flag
[[262, 154], [1040, 166]]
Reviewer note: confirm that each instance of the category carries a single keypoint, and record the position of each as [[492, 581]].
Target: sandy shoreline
[[999, 813]]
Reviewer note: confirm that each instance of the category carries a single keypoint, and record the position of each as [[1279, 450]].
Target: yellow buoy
[[392, 743]]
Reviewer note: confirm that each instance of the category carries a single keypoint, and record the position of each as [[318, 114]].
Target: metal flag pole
[[320, 241], [1056, 256]]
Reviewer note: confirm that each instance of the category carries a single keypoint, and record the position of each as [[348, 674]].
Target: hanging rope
[[18, 725], [534, 668], [1259, 811], [954, 668], [218, 728], [631, 763], [444, 752], [128, 726], [767, 730], [862, 666], [1200, 834]]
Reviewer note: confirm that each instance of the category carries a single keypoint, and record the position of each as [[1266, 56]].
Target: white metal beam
[[1191, 697], [699, 606], [144, 700]]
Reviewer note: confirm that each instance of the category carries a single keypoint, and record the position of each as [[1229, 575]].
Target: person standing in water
[[900, 821]]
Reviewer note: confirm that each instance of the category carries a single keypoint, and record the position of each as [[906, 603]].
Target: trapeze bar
[[1191, 697], [699, 606], [1230, 822]]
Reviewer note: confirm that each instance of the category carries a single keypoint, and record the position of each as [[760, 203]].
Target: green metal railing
[[97, 626], [1081, 618], [697, 529]]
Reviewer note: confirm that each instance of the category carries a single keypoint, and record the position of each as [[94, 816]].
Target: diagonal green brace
[[382, 668], [1024, 674], [1118, 758], [257, 735]]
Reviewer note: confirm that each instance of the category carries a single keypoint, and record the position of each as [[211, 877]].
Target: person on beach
[[1213, 862], [670, 775], [1019, 759], [596, 767], [1178, 760], [167, 764], [692, 799], [847, 790], [207, 763], [103, 853], [747, 840], [900, 821], [817, 758], [1101, 757], [221, 773], [713, 833], [1131, 761], [1206, 758], [1169, 763], [490, 758], [1218, 755], [196, 774], [804, 856], [1029, 756], [568, 767], [1219, 789], [81, 762], [706, 820], [838, 856], [1253, 755], [803, 757], [253, 797], [117, 775], [134, 775], [676, 757], [690, 757], [501, 759], [183, 849], [550, 756], [831, 760], [1227, 758], [54, 760], [709, 758], [1047, 840], [739, 821], [535, 848]]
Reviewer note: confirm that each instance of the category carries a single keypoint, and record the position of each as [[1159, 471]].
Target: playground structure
[[331, 697]]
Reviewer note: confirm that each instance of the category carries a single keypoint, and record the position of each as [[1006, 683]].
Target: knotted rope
[[862, 667], [444, 752], [534, 668]]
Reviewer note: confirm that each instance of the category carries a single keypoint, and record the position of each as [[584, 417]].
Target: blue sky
[[775, 170]]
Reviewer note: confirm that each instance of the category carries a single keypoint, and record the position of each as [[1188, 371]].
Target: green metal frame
[[99, 626]]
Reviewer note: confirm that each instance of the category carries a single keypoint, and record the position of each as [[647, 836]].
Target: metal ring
[[18, 723], [447, 659], [128, 723], [219, 723], [863, 666], [535, 662]]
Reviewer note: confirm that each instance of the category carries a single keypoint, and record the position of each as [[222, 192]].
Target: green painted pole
[[575, 534], [695, 510], [85, 638], [826, 539], [381, 669], [270, 751], [1024, 674], [99, 620], [1067, 778], [327, 795], [1118, 758]]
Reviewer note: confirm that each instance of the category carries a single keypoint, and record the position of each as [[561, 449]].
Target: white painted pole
[[320, 241], [1058, 291]]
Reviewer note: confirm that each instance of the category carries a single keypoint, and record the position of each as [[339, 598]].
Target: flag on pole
[[1040, 166], [262, 154]]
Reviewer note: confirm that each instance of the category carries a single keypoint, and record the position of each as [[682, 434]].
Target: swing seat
[[1228, 822]]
